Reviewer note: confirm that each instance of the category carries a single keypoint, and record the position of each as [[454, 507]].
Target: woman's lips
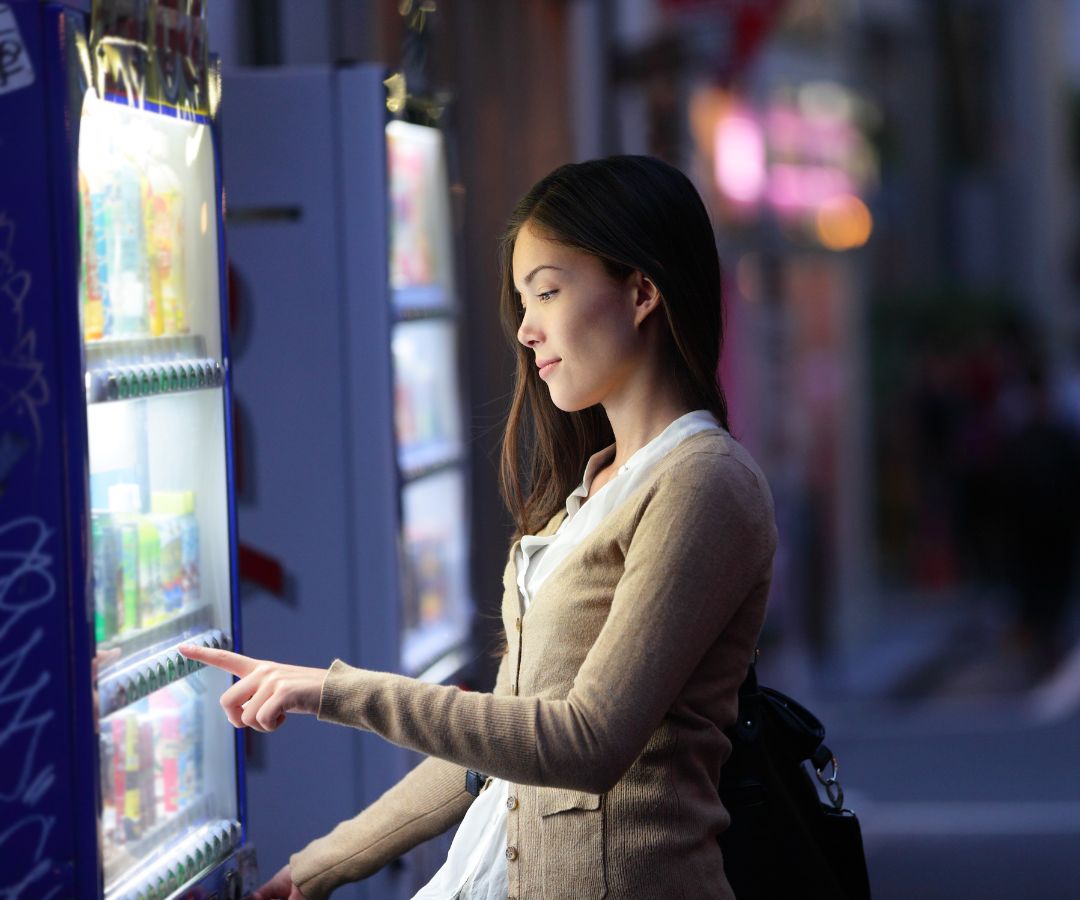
[[545, 369]]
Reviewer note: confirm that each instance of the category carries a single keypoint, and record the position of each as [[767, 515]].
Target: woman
[[633, 595]]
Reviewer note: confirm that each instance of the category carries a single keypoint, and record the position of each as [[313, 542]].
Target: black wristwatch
[[475, 782]]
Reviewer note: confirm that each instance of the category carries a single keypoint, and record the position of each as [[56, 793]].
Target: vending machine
[[120, 777], [355, 451], [428, 423]]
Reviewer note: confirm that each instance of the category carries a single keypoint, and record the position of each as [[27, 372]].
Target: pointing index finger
[[220, 659]]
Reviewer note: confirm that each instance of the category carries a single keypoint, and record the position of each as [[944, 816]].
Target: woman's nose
[[527, 332]]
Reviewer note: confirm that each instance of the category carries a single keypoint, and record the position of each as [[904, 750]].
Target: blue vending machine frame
[[49, 756]]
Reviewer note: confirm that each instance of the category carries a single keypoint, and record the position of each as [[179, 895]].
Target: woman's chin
[[570, 404]]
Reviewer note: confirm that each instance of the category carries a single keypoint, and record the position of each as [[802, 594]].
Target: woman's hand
[[280, 887], [266, 690]]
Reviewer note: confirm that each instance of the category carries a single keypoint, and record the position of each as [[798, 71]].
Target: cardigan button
[[511, 803], [511, 853], [517, 623]]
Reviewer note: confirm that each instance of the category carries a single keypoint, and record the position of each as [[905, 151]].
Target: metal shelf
[[187, 621], [141, 677], [127, 382], [175, 866], [420, 460], [422, 302]]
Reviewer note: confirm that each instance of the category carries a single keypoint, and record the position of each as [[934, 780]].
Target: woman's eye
[[544, 296]]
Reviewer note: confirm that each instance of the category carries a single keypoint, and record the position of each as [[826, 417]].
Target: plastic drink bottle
[[124, 504], [128, 264], [167, 506], [101, 236], [151, 607], [164, 227], [92, 302]]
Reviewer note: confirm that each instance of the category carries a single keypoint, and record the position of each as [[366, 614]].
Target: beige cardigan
[[608, 711]]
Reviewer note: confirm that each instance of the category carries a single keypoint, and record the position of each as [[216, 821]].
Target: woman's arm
[[425, 803], [704, 543]]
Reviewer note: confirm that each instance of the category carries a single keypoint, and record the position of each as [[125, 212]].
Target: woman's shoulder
[[714, 452], [712, 466]]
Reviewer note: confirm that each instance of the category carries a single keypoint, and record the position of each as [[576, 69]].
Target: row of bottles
[[131, 219], [146, 566], [151, 763]]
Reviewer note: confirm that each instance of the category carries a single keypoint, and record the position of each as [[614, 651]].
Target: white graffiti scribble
[[26, 584], [39, 865], [22, 376]]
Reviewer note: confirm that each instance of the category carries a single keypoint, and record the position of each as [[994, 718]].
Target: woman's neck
[[637, 424]]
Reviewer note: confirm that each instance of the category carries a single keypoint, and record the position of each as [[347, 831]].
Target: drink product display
[[132, 229], [428, 578], [164, 229], [93, 297], [145, 565], [424, 395], [152, 765]]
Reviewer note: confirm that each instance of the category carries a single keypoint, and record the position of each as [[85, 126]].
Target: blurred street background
[[896, 191]]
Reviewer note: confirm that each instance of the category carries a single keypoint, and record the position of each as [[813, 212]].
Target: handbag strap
[[804, 732]]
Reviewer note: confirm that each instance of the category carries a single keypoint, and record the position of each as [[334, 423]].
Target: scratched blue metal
[[40, 602]]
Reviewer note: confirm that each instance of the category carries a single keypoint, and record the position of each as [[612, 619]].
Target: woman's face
[[578, 320]]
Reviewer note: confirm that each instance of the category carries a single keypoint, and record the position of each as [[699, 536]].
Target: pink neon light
[[740, 159]]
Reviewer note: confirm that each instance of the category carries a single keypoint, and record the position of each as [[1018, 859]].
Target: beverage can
[[118, 727], [128, 538], [166, 709], [106, 750], [133, 822], [105, 566], [189, 548], [189, 744], [148, 774]]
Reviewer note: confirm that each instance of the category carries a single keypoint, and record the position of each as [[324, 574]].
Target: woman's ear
[[647, 297]]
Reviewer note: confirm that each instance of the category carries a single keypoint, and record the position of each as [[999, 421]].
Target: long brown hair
[[634, 213]]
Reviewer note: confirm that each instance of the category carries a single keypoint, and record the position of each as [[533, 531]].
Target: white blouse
[[475, 868]]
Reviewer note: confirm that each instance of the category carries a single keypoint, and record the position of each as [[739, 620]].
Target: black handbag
[[784, 840]]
